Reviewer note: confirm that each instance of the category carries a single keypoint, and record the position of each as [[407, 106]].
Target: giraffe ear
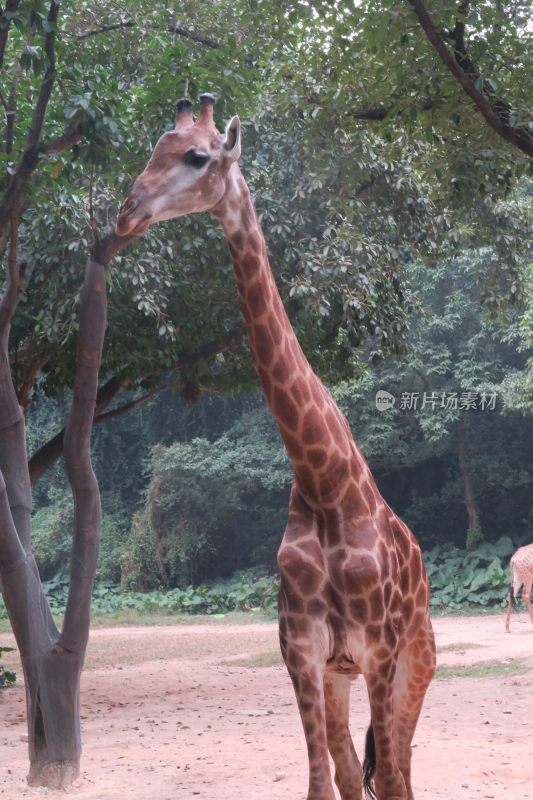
[[232, 139]]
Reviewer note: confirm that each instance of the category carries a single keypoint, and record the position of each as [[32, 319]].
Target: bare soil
[[185, 711]]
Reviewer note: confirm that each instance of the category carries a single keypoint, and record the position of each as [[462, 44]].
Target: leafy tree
[[214, 507], [448, 78], [450, 472], [51, 658]]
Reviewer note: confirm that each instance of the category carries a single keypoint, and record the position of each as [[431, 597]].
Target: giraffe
[[353, 589], [521, 576]]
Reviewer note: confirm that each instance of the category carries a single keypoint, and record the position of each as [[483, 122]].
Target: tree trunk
[[51, 659], [474, 533]]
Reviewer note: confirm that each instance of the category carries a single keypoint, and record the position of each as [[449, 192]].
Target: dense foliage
[[458, 579], [369, 163]]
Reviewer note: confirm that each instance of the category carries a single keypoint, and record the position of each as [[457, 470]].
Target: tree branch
[[18, 275], [195, 37], [179, 30], [33, 150], [379, 114], [11, 7], [517, 136], [104, 29], [48, 454], [61, 143], [92, 323], [47, 83]]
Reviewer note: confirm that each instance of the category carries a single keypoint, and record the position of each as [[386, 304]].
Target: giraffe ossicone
[[354, 593]]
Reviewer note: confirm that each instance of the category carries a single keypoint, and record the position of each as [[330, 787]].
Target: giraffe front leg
[[348, 770], [305, 659]]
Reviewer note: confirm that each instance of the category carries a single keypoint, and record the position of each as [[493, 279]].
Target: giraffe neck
[[315, 433]]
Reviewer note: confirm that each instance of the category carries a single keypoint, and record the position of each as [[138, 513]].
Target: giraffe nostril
[[128, 206]]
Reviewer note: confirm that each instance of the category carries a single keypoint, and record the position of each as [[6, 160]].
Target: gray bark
[[52, 659]]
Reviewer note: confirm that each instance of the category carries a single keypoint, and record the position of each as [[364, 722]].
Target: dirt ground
[[207, 711]]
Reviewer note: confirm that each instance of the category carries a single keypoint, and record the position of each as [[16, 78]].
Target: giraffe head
[[187, 171]]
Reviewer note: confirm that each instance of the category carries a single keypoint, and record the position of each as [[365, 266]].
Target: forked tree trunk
[[52, 659]]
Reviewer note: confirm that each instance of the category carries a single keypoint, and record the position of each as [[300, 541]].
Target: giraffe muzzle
[[128, 222]]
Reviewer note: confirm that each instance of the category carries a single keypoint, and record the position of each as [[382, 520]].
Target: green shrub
[[52, 528], [114, 542], [480, 577], [7, 677], [139, 563], [457, 579]]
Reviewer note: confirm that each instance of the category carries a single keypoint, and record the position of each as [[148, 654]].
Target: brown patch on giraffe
[[379, 692], [359, 609], [360, 573], [298, 570], [386, 667], [306, 479], [281, 371], [255, 298], [317, 457], [408, 609], [249, 264], [263, 344], [293, 446], [316, 607], [362, 536], [285, 410], [416, 568], [313, 428], [377, 607], [237, 241], [396, 601], [334, 477], [300, 391], [353, 503]]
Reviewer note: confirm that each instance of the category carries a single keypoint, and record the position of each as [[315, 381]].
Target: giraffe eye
[[196, 158]]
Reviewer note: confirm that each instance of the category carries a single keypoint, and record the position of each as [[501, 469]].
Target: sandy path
[[179, 716]]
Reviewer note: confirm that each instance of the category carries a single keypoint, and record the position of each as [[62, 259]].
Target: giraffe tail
[[369, 764], [515, 586], [512, 598]]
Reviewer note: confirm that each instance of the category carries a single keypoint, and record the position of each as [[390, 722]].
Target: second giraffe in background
[[521, 576]]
